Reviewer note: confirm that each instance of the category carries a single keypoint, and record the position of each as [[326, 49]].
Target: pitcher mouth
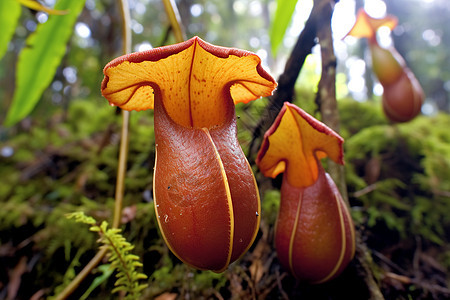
[[198, 82]]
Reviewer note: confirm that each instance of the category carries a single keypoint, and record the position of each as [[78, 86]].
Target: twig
[[430, 287], [418, 282], [175, 20], [416, 257], [121, 170], [365, 190], [441, 193], [280, 285], [401, 278], [389, 262], [364, 260], [82, 275]]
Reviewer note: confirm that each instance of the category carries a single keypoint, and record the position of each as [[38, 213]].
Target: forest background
[[63, 157]]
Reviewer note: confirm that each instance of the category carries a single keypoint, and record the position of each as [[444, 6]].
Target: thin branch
[[82, 275], [126, 26], [364, 261], [366, 190], [175, 20], [121, 170]]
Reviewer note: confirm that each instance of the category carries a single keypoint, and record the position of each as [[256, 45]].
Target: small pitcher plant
[[402, 96], [314, 236]]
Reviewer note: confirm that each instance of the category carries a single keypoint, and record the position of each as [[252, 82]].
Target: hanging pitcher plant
[[402, 96], [314, 236], [206, 197]]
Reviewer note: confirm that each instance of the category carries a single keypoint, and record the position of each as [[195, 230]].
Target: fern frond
[[80, 217], [119, 255]]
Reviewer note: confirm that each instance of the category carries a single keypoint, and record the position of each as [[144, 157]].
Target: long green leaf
[[9, 15], [39, 7], [39, 60], [283, 15]]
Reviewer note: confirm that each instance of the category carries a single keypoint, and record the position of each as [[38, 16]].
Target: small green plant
[[120, 256]]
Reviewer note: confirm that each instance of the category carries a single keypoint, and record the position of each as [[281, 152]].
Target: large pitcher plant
[[206, 197]]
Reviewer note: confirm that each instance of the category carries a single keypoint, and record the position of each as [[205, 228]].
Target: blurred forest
[[63, 157]]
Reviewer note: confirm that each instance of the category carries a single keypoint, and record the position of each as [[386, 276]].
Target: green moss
[[355, 116], [407, 178]]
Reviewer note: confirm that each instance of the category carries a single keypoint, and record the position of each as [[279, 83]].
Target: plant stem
[[82, 275], [123, 150], [326, 92], [175, 20], [123, 154], [126, 27], [121, 170]]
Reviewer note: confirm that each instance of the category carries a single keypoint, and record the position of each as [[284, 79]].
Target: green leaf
[[283, 15], [39, 7], [39, 60], [9, 15]]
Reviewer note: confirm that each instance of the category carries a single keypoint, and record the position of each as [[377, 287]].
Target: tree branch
[[286, 82], [326, 92]]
